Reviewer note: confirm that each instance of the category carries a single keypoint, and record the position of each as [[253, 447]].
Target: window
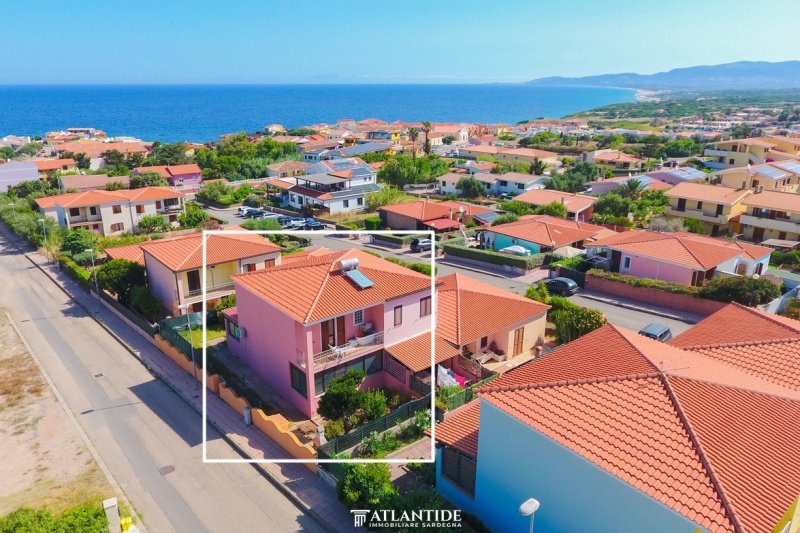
[[360, 201], [116, 209], [140, 209], [234, 330], [398, 315], [520, 186], [503, 183], [358, 317], [370, 364], [119, 226], [444, 184], [250, 267], [699, 205], [719, 209], [269, 263], [626, 263], [484, 342], [158, 204], [298, 378], [74, 211], [346, 203], [731, 161], [424, 306], [93, 210], [459, 469]]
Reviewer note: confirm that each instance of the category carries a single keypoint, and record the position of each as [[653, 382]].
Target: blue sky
[[377, 41]]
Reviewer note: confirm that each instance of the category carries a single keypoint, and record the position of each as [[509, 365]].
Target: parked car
[[265, 215], [420, 245], [254, 213], [515, 250], [314, 225], [561, 286], [243, 210], [283, 219], [656, 331], [295, 223]]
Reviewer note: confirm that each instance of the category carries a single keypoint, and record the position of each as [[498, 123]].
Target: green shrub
[[399, 240], [538, 292], [153, 223], [374, 404], [78, 240], [744, 290], [84, 258], [75, 271], [119, 277], [378, 445], [422, 268], [365, 486], [144, 303], [372, 223], [493, 258], [86, 518], [334, 428], [505, 219], [633, 281], [575, 322]]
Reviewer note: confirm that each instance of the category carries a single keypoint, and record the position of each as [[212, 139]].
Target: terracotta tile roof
[[442, 223], [48, 202], [468, 309], [754, 141], [707, 193], [186, 252], [289, 166], [545, 231], [682, 427], [313, 193], [424, 211], [575, 203], [738, 323], [168, 171], [314, 287], [279, 183], [131, 252], [529, 152], [96, 181], [469, 209], [96, 148], [778, 201], [616, 156], [53, 164], [232, 313], [689, 250], [415, 353], [88, 198], [460, 430]]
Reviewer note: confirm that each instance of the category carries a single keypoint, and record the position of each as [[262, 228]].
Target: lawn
[[213, 332]]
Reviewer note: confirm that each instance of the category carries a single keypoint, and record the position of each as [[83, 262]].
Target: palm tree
[[427, 127], [413, 133], [631, 188], [538, 166]]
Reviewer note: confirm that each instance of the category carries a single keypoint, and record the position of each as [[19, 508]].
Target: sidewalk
[[304, 488], [635, 305]]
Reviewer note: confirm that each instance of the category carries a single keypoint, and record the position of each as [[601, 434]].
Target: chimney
[[450, 213], [744, 185]]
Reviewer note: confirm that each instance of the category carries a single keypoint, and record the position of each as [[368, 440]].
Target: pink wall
[[188, 179], [645, 267], [681, 302], [412, 324]]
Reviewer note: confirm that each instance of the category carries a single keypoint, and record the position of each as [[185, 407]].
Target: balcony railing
[[209, 290], [354, 347]]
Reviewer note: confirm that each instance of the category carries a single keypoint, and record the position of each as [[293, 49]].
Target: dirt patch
[[45, 461]]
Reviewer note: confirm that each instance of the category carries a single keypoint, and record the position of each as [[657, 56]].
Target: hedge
[[422, 268], [648, 283], [372, 223], [75, 271], [395, 239], [528, 262]]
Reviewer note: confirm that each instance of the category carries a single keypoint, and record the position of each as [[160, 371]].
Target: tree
[[573, 321], [631, 188], [538, 166], [342, 398], [741, 289], [574, 179], [366, 486], [448, 139], [554, 209], [115, 185], [516, 207], [30, 149], [147, 305], [152, 223], [7, 153], [82, 161], [614, 204], [386, 196], [167, 154], [119, 277], [193, 217], [413, 133], [113, 158], [77, 240], [694, 226], [470, 187], [147, 179], [426, 127]]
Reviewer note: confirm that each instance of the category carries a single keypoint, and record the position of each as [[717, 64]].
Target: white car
[[244, 210], [515, 250]]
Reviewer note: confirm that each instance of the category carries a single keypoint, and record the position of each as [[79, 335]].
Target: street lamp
[[94, 272], [529, 508], [185, 307]]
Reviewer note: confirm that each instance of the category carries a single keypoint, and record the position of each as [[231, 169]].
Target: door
[[193, 278], [616, 259], [758, 234], [340, 337], [519, 336], [681, 204], [269, 263], [741, 269], [328, 333]]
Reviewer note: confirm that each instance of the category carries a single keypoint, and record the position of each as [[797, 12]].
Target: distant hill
[[742, 75]]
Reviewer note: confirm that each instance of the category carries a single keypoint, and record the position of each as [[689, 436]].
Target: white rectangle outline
[[432, 458]]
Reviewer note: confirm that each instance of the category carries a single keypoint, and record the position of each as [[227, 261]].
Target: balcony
[[697, 214], [350, 350], [715, 153], [770, 223], [211, 292]]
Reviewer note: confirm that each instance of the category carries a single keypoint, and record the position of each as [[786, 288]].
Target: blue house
[[607, 439]]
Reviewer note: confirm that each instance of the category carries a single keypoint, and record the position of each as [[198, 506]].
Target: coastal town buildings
[[579, 206], [716, 207]]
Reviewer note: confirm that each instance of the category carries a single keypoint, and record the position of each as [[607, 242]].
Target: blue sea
[[200, 113]]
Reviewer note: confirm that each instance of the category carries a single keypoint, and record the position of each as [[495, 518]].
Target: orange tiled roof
[[421, 210], [87, 198], [616, 156], [415, 353], [684, 428], [97, 148], [279, 183], [778, 201], [547, 230], [186, 252], [707, 193], [738, 323], [53, 164], [687, 249], [575, 203], [168, 171], [131, 252], [468, 309], [314, 287], [460, 430]]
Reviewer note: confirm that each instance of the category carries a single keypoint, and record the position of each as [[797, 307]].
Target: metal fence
[[170, 329], [467, 394], [134, 317]]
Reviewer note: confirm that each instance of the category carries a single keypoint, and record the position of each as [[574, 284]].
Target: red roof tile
[[53, 164], [186, 252], [415, 353], [575, 203], [460, 430], [131, 252], [737, 323]]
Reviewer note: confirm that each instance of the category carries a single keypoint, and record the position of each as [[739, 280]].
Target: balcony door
[[193, 278], [519, 336], [681, 204], [332, 332]]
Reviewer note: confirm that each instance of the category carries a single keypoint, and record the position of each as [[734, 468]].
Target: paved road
[[147, 436], [628, 318]]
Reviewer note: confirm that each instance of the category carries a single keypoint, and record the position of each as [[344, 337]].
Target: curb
[[286, 491]]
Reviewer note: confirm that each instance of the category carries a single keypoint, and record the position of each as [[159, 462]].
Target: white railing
[[350, 349], [209, 290]]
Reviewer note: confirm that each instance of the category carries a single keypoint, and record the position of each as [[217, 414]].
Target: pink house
[[303, 323], [177, 175], [678, 257]]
